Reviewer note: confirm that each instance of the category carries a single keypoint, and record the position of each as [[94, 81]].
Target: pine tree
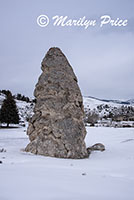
[[9, 112]]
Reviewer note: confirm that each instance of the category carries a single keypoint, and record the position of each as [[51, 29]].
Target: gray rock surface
[[57, 128], [96, 147]]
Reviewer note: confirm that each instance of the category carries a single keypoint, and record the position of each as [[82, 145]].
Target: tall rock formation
[[57, 128]]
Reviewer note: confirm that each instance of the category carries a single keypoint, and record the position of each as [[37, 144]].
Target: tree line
[[9, 112]]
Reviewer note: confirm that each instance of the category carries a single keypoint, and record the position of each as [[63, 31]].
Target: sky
[[101, 57]]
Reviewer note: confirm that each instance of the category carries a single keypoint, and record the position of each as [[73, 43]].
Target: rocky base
[[96, 147]]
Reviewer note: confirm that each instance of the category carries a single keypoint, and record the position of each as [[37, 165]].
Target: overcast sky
[[102, 58]]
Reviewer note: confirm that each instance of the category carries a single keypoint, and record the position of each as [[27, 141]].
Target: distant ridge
[[127, 102]]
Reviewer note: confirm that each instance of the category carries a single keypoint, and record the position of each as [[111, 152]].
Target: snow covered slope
[[92, 102], [25, 109], [131, 101], [114, 109], [104, 175]]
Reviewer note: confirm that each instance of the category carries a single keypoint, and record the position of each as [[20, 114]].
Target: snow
[[90, 102], [25, 109], [107, 175]]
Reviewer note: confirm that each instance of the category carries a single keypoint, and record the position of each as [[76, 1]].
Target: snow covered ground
[[93, 102], [25, 109], [105, 175]]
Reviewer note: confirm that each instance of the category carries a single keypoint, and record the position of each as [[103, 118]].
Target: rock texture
[[57, 128], [96, 147]]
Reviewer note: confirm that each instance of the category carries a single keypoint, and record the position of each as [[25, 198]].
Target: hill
[[109, 111], [105, 110], [25, 109]]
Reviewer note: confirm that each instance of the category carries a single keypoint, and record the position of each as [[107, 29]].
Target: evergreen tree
[[6, 92], [19, 97], [9, 112], [22, 98]]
